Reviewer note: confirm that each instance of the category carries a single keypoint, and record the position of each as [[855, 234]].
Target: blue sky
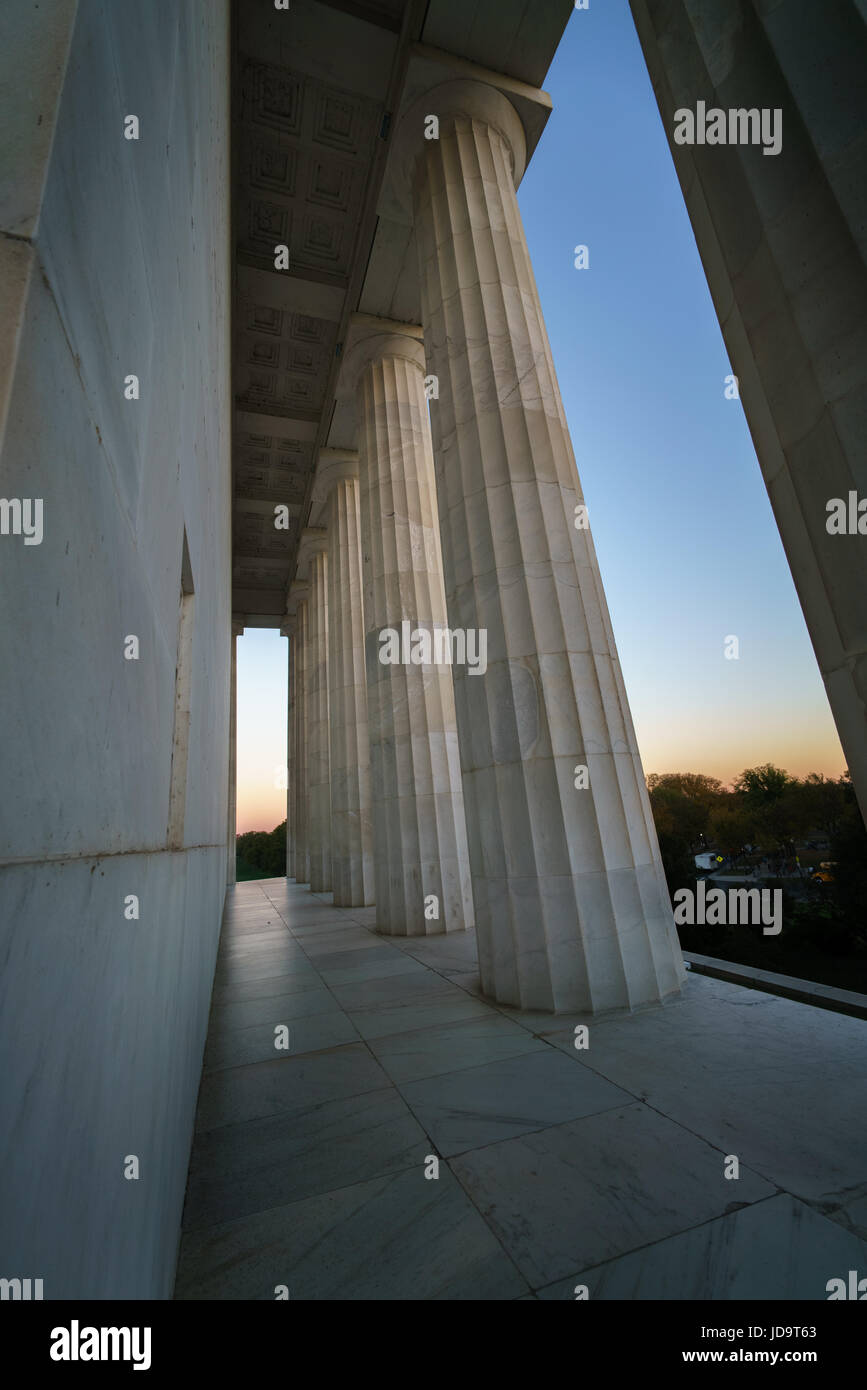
[[687, 544]]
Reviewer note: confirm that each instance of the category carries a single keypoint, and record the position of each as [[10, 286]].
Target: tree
[[824, 802], [695, 785], [849, 856], [682, 803], [732, 825], [761, 786], [264, 850]]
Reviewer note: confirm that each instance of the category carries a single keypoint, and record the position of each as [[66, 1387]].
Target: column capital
[[479, 101], [314, 541], [299, 592], [370, 339], [237, 627], [334, 466]]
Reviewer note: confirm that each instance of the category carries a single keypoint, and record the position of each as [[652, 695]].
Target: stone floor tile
[[261, 988], [579, 1193], [287, 1086], [393, 989], [271, 1008], [448, 1047], [392, 1238], [243, 1168], [781, 1084], [236, 1047], [775, 1249], [481, 1105], [378, 969], [381, 1020]]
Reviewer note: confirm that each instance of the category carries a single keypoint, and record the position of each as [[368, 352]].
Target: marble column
[[352, 879], [783, 242], [422, 880], [288, 631], [571, 902], [232, 805], [297, 609], [313, 551]]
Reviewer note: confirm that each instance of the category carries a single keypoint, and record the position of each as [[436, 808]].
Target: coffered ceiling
[[316, 91]]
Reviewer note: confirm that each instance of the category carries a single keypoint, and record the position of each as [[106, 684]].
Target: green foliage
[[683, 804], [761, 786], [261, 853], [849, 855], [825, 929]]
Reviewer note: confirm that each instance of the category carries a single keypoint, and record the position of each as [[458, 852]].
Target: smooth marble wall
[[119, 266]]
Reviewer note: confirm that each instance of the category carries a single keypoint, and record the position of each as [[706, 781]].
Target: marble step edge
[[842, 1001]]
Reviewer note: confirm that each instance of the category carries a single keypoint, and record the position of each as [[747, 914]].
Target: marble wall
[[114, 261]]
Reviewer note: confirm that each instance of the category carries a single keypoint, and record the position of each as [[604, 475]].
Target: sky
[[687, 544]]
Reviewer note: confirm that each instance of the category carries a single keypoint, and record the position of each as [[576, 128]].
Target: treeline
[[768, 817], [765, 820], [261, 854]]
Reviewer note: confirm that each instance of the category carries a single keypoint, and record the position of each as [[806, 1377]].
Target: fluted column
[[314, 547], [422, 881], [571, 902], [232, 800], [297, 608], [352, 878], [288, 631]]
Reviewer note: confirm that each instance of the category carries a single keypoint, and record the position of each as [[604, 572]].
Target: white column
[[571, 902], [313, 548], [232, 805], [352, 878], [422, 862], [288, 631], [297, 609]]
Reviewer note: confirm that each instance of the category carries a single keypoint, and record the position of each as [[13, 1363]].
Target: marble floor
[[605, 1167]]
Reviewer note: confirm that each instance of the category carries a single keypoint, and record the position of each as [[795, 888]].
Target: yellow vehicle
[[824, 873]]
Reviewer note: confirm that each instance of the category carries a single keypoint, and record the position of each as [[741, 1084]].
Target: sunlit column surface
[[298, 610], [232, 805], [571, 903], [314, 547], [352, 876], [288, 630], [422, 865]]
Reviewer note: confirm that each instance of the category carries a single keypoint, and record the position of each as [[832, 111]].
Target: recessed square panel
[[308, 330], [272, 97], [269, 223], [330, 184], [302, 360], [272, 167], [320, 242], [263, 319], [264, 354], [337, 122]]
